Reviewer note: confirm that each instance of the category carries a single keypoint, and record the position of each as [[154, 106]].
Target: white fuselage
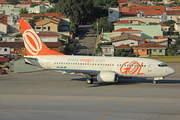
[[123, 66]]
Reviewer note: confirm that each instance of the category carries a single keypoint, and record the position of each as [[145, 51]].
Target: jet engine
[[107, 76]]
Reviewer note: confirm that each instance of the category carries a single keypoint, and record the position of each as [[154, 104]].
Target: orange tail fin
[[32, 42]]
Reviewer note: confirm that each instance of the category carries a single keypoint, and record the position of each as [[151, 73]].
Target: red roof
[[21, 44], [54, 14], [3, 2], [149, 45], [128, 37], [176, 7], [11, 44], [147, 10], [123, 47], [3, 19], [30, 15], [126, 29], [153, 12], [160, 37], [47, 34], [172, 12], [146, 0], [128, 21], [163, 25], [39, 19], [42, 4], [26, 3], [129, 13]]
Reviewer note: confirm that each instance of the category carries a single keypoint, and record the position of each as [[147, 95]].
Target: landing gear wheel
[[89, 81], [154, 81]]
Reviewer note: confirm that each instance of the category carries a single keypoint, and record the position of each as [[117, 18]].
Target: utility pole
[[97, 33]]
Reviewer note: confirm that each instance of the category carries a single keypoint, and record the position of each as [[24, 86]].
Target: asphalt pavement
[[48, 95], [86, 41]]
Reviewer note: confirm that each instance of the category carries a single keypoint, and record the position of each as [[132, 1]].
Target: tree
[[107, 3], [51, 10], [53, 1], [32, 21], [74, 8], [23, 11], [170, 23], [14, 2], [34, 4], [120, 52], [174, 49], [103, 24]]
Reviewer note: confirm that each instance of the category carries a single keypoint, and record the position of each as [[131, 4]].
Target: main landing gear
[[90, 79], [154, 81]]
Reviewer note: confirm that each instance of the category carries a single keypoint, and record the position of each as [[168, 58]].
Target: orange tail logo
[[33, 44]]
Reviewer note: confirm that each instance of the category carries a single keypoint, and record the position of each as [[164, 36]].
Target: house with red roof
[[171, 15], [126, 30], [164, 27], [3, 24], [144, 10], [48, 37], [17, 48], [26, 5], [125, 48], [29, 16], [48, 25], [148, 31], [42, 7], [150, 49], [127, 39], [161, 40]]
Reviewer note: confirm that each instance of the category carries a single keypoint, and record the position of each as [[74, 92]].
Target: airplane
[[105, 69]]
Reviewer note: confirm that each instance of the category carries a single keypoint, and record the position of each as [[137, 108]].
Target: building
[[150, 49], [29, 16], [18, 49], [127, 39], [13, 22], [113, 14], [8, 9], [171, 15], [42, 7], [48, 25], [48, 37], [25, 5], [148, 31], [125, 48], [65, 22], [126, 30], [107, 50], [3, 24]]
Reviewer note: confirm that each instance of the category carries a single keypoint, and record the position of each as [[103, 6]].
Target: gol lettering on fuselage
[[132, 68]]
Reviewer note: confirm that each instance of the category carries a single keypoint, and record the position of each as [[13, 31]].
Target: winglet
[[33, 44]]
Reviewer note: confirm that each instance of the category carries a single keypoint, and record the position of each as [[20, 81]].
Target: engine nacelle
[[107, 76]]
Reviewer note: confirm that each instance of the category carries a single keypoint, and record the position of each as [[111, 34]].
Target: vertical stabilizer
[[33, 44]]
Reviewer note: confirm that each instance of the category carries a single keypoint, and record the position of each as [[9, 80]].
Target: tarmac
[[48, 95]]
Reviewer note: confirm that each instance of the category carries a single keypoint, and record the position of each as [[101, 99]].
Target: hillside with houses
[[140, 28]]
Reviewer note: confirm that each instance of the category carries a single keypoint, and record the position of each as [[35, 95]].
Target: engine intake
[[107, 76]]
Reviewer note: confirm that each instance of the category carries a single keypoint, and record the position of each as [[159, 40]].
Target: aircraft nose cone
[[171, 71]]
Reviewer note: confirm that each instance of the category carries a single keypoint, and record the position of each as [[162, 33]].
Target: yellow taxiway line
[[135, 104]]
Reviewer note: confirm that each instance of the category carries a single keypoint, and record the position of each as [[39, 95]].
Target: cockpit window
[[162, 65]]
